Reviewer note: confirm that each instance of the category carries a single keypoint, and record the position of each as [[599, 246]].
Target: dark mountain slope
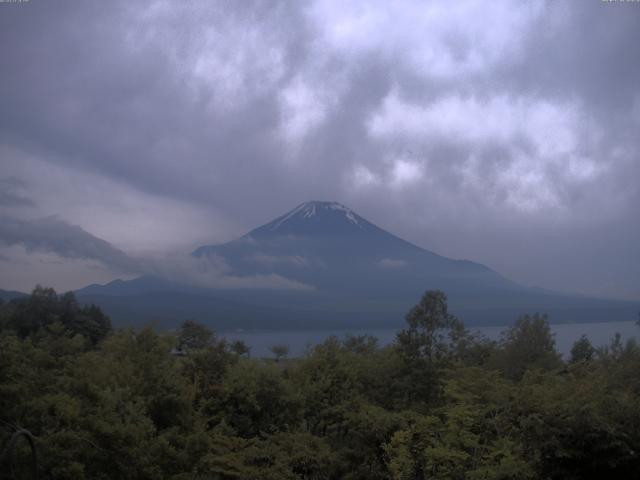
[[353, 274], [327, 245], [7, 295]]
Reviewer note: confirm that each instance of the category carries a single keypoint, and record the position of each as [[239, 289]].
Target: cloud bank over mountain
[[499, 132], [57, 241]]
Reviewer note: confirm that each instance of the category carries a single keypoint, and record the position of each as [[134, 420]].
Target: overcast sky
[[505, 132]]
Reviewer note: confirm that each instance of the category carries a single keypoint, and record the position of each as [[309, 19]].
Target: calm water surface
[[299, 341]]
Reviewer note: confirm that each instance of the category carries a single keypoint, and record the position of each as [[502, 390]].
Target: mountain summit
[[327, 235], [323, 265], [319, 217]]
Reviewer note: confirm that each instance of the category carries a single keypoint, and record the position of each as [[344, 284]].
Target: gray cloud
[[493, 131], [392, 263], [290, 260], [213, 272], [11, 193], [54, 235]]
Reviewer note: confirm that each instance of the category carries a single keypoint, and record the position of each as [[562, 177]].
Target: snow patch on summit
[[310, 209], [288, 216], [347, 212]]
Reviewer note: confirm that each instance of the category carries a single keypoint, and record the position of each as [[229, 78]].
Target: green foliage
[[280, 351], [438, 404], [582, 350], [328, 386], [529, 344], [45, 313], [575, 425], [467, 437], [204, 371], [255, 399], [193, 336], [433, 332], [239, 347], [433, 339], [293, 456]]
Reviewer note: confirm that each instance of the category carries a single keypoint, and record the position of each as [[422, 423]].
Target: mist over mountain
[[321, 265]]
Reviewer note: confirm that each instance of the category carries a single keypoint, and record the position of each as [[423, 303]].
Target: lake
[[299, 341]]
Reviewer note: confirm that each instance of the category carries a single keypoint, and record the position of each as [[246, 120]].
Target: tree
[[427, 346], [582, 350], [527, 345], [205, 370], [40, 309], [280, 351], [360, 344], [282, 456], [328, 384], [88, 321], [255, 399], [46, 313], [239, 347], [433, 332], [128, 408], [194, 336]]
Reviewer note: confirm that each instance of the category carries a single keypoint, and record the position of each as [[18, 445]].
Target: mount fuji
[[332, 249], [322, 265]]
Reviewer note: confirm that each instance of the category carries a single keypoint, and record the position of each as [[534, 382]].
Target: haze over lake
[[260, 342]]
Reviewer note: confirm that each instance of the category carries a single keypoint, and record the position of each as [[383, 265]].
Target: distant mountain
[[331, 268], [140, 285], [7, 295], [330, 247]]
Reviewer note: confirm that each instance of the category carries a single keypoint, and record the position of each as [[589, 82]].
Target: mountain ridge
[[358, 274]]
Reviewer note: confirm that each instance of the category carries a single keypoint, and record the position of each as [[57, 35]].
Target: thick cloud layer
[[68, 241], [504, 132]]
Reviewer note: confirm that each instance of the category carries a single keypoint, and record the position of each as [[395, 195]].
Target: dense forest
[[439, 403]]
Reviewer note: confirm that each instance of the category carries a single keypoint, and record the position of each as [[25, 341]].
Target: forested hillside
[[437, 404]]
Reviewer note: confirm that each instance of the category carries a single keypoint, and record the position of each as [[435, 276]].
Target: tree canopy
[[438, 403]]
